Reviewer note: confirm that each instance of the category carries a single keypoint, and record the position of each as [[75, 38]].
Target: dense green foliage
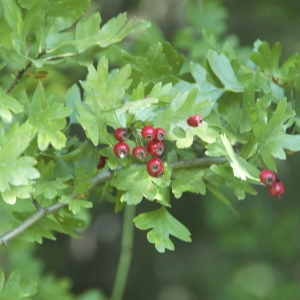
[[249, 102]]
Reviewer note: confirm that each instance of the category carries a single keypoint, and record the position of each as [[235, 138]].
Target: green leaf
[[269, 134], [75, 205], [48, 119], [73, 98], [223, 70], [105, 90], [220, 196], [180, 108], [135, 106], [265, 57], [239, 186], [231, 111], [8, 104], [104, 93], [116, 29], [14, 141], [87, 28], [16, 170], [161, 64], [92, 294], [11, 194], [49, 188], [40, 230], [12, 14], [163, 225], [203, 131], [88, 35], [136, 184], [83, 179], [247, 107], [89, 123], [206, 89], [159, 95], [290, 142], [68, 223], [241, 168], [85, 169], [2, 279], [67, 9], [61, 221], [17, 287], [188, 181]]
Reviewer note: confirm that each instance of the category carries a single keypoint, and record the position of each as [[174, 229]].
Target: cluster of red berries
[[275, 186], [153, 146]]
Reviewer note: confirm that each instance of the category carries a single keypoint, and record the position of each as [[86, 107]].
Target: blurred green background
[[253, 256]]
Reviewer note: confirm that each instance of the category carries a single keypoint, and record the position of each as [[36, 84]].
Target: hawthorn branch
[[38, 215], [21, 73], [198, 162], [96, 180], [28, 64]]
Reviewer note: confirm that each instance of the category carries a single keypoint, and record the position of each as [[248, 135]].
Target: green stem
[[126, 253]]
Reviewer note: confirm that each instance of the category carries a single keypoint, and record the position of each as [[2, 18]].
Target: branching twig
[[98, 179], [36, 204], [21, 73], [41, 213]]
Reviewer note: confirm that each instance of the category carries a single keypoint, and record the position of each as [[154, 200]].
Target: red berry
[[148, 133], [276, 189], [267, 177], [195, 121], [121, 149], [101, 162], [121, 134], [155, 167], [139, 152], [155, 148], [160, 134]]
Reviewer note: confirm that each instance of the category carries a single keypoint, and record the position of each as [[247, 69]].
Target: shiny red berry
[[101, 163], [195, 121], [155, 148], [267, 177], [148, 133], [155, 167], [139, 152], [121, 134], [121, 149], [160, 134], [276, 189]]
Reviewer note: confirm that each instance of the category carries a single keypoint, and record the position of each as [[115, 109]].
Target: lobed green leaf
[[163, 225], [16, 287], [223, 70]]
